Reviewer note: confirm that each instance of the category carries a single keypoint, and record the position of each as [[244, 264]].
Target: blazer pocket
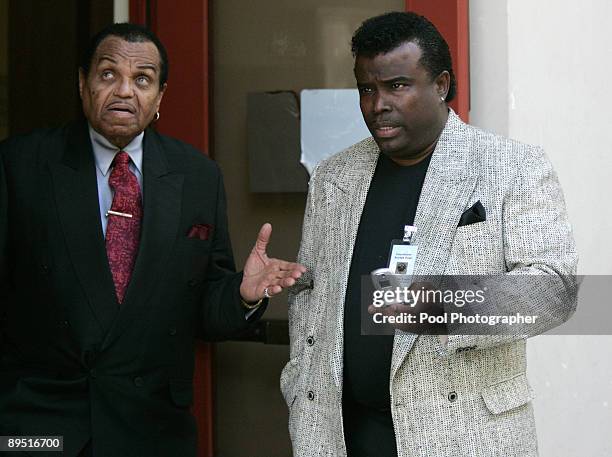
[[289, 379], [181, 392], [195, 244], [476, 249], [475, 231], [294, 414], [304, 283], [193, 256], [508, 395]]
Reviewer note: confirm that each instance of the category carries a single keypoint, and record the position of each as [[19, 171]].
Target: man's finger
[[263, 238], [274, 290], [287, 266], [284, 280], [280, 275], [287, 282]]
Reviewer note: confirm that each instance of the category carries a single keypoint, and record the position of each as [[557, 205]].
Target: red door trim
[[451, 17], [138, 12], [185, 114]]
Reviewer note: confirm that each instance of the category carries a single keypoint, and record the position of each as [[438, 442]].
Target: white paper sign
[[330, 121]]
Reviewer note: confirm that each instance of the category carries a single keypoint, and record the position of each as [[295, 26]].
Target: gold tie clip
[[117, 213]]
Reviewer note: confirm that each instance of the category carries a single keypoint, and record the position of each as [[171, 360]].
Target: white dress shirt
[[104, 153]]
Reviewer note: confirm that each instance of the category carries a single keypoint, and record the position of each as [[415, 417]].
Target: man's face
[[400, 103], [121, 94]]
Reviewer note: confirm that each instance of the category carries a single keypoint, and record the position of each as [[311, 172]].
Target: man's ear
[[162, 91], [443, 83], [82, 78]]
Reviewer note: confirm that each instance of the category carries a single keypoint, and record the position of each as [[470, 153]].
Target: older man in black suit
[[114, 257]]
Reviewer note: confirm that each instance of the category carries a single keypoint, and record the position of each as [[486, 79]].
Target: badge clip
[[409, 232]]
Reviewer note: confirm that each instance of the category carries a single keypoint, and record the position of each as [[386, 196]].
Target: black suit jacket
[[75, 363]]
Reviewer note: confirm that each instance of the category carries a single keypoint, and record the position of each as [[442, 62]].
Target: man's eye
[[398, 85], [365, 90], [142, 80], [107, 74]]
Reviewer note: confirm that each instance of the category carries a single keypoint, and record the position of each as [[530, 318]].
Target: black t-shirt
[[391, 203]]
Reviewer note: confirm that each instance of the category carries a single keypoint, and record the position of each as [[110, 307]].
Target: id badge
[[402, 257]]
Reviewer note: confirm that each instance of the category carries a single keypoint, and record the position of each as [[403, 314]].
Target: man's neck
[[417, 158], [120, 142], [414, 159]]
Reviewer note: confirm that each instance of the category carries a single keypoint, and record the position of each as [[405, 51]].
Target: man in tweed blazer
[[461, 395]]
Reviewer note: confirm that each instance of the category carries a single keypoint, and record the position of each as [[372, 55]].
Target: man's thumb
[[264, 237]]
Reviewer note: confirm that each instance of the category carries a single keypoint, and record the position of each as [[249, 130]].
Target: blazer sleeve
[[222, 315], [538, 242]]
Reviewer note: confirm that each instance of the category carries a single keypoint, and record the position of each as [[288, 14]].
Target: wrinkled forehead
[[115, 49]]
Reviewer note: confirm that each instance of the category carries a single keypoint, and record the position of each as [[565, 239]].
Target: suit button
[[310, 341], [93, 373], [138, 381], [452, 396], [172, 331], [45, 269], [310, 395], [64, 324]]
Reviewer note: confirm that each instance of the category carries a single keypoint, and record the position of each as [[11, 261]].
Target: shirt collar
[[104, 151]]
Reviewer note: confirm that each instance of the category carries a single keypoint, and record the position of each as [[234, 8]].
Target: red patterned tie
[[123, 228]]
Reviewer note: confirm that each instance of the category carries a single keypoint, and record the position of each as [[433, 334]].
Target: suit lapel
[[162, 208], [448, 185], [76, 197], [346, 194]]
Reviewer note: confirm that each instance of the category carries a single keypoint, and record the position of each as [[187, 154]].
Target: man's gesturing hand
[[261, 272]]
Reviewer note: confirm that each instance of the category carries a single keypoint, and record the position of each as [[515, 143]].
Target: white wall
[[539, 73], [121, 10]]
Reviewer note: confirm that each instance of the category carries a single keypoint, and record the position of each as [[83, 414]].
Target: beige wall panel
[[268, 45]]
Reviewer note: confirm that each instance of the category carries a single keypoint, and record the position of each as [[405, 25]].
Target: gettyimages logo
[[411, 297]]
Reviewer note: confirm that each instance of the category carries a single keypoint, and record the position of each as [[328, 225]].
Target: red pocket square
[[200, 231]]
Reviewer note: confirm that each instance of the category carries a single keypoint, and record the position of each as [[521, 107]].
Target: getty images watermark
[[474, 305], [410, 297]]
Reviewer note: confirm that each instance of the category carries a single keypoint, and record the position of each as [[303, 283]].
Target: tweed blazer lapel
[[448, 186], [449, 183], [345, 195]]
